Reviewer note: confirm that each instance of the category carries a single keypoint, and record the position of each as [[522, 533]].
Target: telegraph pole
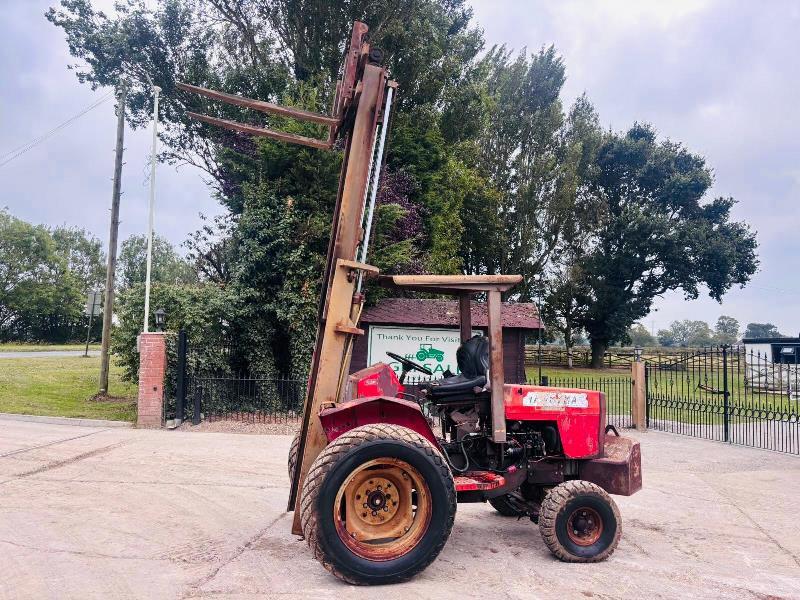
[[108, 309]]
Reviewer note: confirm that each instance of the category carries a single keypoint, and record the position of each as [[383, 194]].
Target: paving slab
[[126, 513]]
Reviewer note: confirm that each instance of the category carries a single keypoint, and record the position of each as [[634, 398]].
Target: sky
[[719, 76]]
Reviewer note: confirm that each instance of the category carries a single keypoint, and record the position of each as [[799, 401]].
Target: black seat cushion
[[473, 362]]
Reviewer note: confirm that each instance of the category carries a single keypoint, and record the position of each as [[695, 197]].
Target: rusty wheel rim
[[584, 526], [383, 509]]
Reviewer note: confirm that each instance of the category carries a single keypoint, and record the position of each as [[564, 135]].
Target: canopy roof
[[454, 285]]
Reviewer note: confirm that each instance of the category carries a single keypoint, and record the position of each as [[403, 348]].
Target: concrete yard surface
[[88, 512]]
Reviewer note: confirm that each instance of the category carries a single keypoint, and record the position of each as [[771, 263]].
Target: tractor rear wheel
[[378, 505], [579, 522], [293, 454], [502, 505]]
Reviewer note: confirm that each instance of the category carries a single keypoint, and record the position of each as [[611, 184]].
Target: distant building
[[783, 350], [773, 364], [426, 332]]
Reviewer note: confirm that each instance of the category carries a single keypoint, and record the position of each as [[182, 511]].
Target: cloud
[[721, 77], [67, 179]]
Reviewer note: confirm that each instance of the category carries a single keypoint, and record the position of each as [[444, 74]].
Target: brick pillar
[[152, 366]]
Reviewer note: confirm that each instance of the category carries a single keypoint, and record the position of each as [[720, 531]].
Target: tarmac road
[[88, 512], [47, 353]]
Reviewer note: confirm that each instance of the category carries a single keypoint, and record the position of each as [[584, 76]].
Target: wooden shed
[[426, 331]]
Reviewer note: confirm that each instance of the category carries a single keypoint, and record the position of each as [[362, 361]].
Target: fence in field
[[614, 358]]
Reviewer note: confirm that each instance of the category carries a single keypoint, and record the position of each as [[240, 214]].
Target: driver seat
[[473, 361]]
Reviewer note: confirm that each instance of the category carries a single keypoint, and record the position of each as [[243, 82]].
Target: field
[[63, 387]]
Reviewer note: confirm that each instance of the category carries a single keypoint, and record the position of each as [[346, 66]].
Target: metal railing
[[617, 390], [729, 395]]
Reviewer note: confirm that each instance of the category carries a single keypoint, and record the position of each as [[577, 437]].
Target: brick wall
[[152, 365]]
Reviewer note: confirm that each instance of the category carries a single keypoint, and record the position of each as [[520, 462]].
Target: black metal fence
[[246, 398], [617, 390], [730, 395], [210, 389]]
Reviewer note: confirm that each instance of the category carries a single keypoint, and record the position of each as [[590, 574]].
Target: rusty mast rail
[[357, 109]]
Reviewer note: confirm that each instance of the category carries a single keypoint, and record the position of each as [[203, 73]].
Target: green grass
[[16, 347], [63, 387], [579, 373]]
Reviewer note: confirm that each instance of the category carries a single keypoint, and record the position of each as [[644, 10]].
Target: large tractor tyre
[[378, 505], [579, 522], [502, 505], [293, 454]]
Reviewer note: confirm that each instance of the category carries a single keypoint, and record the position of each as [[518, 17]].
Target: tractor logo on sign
[[427, 351]]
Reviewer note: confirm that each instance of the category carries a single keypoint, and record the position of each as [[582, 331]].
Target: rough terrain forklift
[[377, 472]]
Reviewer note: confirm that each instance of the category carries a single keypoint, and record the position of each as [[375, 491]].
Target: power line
[[20, 150]]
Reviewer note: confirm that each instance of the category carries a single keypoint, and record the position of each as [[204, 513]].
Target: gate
[[210, 388], [727, 394]]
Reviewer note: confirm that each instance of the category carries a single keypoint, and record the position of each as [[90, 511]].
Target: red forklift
[[377, 472]]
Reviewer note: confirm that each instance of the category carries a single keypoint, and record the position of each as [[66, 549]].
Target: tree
[[762, 330], [656, 234], [270, 249], [40, 298], [166, 267], [528, 155], [83, 254], [726, 331], [640, 337], [686, 334]]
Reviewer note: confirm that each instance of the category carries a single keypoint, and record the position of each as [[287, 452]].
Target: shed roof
[[405, 311]]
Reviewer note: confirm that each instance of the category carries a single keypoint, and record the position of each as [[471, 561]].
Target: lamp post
[[161, 317], [156, 91]]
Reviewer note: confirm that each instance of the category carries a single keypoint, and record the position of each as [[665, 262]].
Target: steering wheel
[[409, 365]]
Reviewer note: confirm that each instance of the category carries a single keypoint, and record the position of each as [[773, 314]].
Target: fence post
[[638, 396], [180, 386], [198, 394], [725, 393]]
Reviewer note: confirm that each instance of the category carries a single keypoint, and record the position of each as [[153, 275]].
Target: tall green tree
[[640, 337], [762, 330], [83, 254], [657, 233], [686, 334], [281, 197], [166, 265], [523, 156], [40, 299], [726, 330]]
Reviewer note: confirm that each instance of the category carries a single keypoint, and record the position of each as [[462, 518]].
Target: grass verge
[[64, 387]]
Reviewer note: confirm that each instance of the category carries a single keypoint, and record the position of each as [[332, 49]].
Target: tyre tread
[[339, 448], [555, 502]]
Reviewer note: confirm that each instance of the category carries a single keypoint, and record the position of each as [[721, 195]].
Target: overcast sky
[[720, 76]]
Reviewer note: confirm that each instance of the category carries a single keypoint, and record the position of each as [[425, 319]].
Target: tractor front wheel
[[378, 505], [579, 522]]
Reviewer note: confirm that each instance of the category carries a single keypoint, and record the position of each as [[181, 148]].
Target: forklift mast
[[362, 101]]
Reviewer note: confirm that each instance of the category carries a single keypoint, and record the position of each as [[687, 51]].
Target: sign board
[[94, 301], [432, 348]]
